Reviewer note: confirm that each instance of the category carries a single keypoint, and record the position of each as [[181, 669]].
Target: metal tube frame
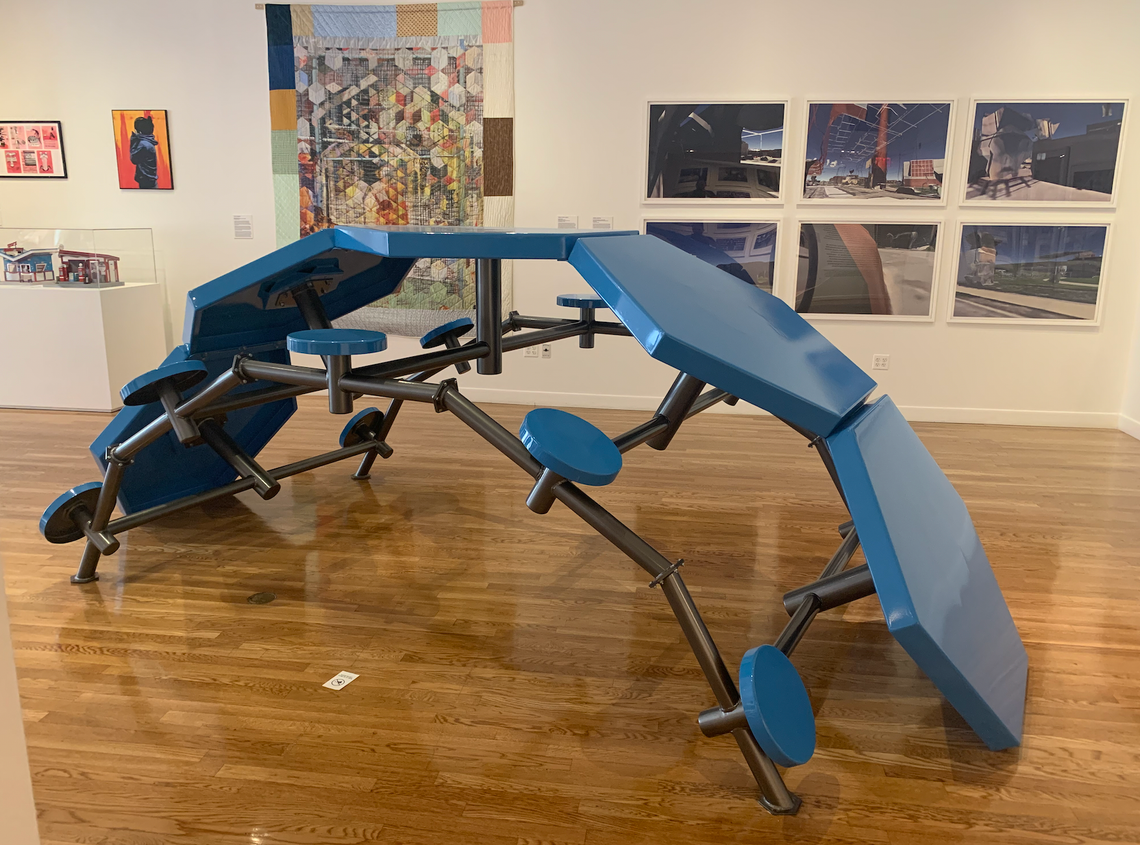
[[683, 401]]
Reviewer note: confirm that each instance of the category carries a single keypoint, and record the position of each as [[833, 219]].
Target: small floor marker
[[340, 681]]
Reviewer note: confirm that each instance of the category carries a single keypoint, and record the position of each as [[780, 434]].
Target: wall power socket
[[880, 361]]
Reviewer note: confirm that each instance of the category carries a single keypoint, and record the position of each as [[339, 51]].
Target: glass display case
[[79, 258]]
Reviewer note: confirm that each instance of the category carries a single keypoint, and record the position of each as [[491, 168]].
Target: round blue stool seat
[[144, 389], [580, 300], [56, 524], [570, 446], [438, 336], [370, 417], [337, 341], [777, 706]]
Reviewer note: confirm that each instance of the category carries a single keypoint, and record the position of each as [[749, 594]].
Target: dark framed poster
[[32, 149]]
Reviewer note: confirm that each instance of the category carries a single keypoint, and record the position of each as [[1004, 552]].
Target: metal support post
[[488, 313], [833, 590], [586, 339], [218, 439], [184, 428], [541, 497], [104, 506], [340, 401], [675, 408]]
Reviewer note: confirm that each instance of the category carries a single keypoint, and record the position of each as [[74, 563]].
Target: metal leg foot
[[75, 579], [790, 810], [86, 572], [365, 469]]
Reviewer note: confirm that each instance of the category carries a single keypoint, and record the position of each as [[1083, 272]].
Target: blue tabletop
[[934, 582], [728, 333]]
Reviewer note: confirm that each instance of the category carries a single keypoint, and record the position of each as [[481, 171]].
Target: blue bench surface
[[356, 265], [732, 335], [934, 582]]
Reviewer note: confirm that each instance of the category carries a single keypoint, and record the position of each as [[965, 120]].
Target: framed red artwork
[[32, 149]]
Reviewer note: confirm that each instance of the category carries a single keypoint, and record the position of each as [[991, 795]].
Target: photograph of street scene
[[744, 250], [1029, 272], [876, 151], [1044, 152], [874, 269], [715, 151]]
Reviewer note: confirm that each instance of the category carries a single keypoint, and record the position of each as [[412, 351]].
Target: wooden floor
[[519, 681]]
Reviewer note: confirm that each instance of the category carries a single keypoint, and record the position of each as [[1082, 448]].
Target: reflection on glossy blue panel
[[166, 470], [473, 241], [938, 592], [723, 331]]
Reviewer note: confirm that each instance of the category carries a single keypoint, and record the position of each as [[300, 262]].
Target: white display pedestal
[[73, 348]]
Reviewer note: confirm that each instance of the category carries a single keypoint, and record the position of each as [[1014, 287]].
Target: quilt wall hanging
[[389, 116]]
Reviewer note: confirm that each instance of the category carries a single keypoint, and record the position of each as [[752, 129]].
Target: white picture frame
[[887, 200], [713, 202], [936, 262], [964, 180], [1032, 222], [733, 222]]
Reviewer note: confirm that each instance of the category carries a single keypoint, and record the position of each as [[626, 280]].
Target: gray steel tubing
[[249, 398], [218, 439], [706, 400], [717, 721], [340, 401], [586, 339], [700, 641], [797, 626], [518, 321], [283, 373], [833, 591], [392, 388], [610, 527], [312, 310], [112, 478], [638, 435], [488, 314], [675, 408], [605, 327], [522, 341], [491, 431], [125, 523], [774, 794], [184, 428], [103, 540], [825, 456], [416, 363], [216, 389], [845, 528], [842, 555], [142, 438]]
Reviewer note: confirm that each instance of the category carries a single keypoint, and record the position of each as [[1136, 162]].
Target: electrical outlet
[[530, 352], [880, 361], [546, 349]]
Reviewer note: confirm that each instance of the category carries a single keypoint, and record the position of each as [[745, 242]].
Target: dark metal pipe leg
[[365, 468], [340, 401], [797, 626], [488, 314], [184, 428], [834, 590], [675, 407], [216, 437]]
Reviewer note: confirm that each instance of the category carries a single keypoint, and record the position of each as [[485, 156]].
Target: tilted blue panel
[[934, 582], [166, 470], [251, 306], [732, 335]]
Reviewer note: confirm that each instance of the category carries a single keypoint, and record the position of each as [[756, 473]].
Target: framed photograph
[[883, 271], [1044, 152], [746, 250], [1040, 273], [32, 149], [705, 152], [876, 152], [142, 149]]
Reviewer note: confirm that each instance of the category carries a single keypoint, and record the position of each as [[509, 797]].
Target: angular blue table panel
[[251, 307], [732, 335], [934, 582]]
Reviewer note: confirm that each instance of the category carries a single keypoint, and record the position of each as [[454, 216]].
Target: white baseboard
[[1129, 426], [914, 413]]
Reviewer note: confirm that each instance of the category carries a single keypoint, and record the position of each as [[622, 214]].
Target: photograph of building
[[1044, 152], [715, 151], [58, 265], [1029, 272], [745, 250], [879, 269], [876, 151]]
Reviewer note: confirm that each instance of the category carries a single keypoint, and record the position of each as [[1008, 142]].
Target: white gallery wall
[[585, 70], [17, 810]]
